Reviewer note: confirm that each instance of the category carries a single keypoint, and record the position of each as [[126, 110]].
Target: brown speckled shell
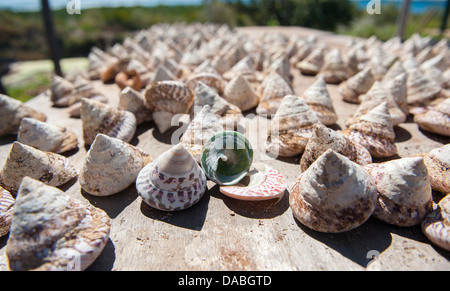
[[170, 96], [50, 231], [436, 119], [326, 198], [436, 226], [437, 163], [50, 168]]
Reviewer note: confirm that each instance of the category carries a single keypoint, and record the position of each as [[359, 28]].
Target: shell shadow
[[254, 209], [114, 204], [436, 137], [191, 218], [141, 128], [105, 261], [4, 240], [7, 139], [166, 137], [401, 134], [356, 244]]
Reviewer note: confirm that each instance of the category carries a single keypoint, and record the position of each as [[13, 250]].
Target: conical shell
[[334, 69], [333, 194], [319, 100], [261, 183], [163, 74], [282, 67], [98, 117], [396, 88], [312, 64], [174, 181], [291, 127], [210, 79], [420, 89], [375, 131], [227, 157], [436, 226], [438, 165], [6, 211], [375, 96], [436, 119], [356, 85], [324, 138], [51, 231], [204, 126], [50, 168], [133, 101], [111, 165], [274, 91], [11, 113], [404, 191], [46, 137], [244, 67], [395, 70], [60, 89], [229, 114], [238, 91], [167, 98]]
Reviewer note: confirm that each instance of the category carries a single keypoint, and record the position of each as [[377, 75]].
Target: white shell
[[404, 191], [46, 137], [6, 211], [438, 165], [111, 165], [275, 89], [333, 194], [174, 181], [319, 100], [51, 231], [436, 226], [356, 85], [133, 101], [238, 91], [50, 168]]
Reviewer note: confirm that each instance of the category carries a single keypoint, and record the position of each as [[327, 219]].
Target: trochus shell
[[437, 162], [333, 194], [133, 101], [6, 211], [102, 118], [50, 168], [436, 226], [404, 191], [227, 157], [174, 181], [239, 92], [319, 100], [324, 138], [261, 183], [356, 85], [436, 119], [46, 137], [12, 112], [111, 165], [50, 231], [275, 89]]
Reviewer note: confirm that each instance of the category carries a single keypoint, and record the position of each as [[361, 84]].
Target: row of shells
[[226, 73]]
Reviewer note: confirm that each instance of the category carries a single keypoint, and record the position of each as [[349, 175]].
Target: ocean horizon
[[417, 7]]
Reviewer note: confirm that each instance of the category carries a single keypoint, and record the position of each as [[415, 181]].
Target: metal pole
[[51, 37], [402, 19], [444, 19]]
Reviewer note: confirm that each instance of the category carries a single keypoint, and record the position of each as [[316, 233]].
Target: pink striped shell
[[261, 183], [436, 226]]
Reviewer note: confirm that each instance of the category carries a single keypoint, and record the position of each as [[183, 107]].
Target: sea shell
[[98, 117], [436, 225], [420, 89], [133, 101], [174, 181], [210, 79], [6, 211], [404, 191], [51, 231], [375, 96], [229, 114], [46, 137], [334, 69], [129, 78], [162, 74], [238, 91], [274, 91], [167, 98], [333, 195], [291, 127], [50, 168], [244, 67], [261, 183], [282, 67], [204, 126], [74, 110], [356, 85], [436, 119], [324, 138], [375, 131], [396, 88], [111, 165], [227, 157], [60, 89], [312, 64], [319, 100], [11, 113], [438, 165]]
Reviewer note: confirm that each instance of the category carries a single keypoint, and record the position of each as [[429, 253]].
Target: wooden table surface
[[221, 233]]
